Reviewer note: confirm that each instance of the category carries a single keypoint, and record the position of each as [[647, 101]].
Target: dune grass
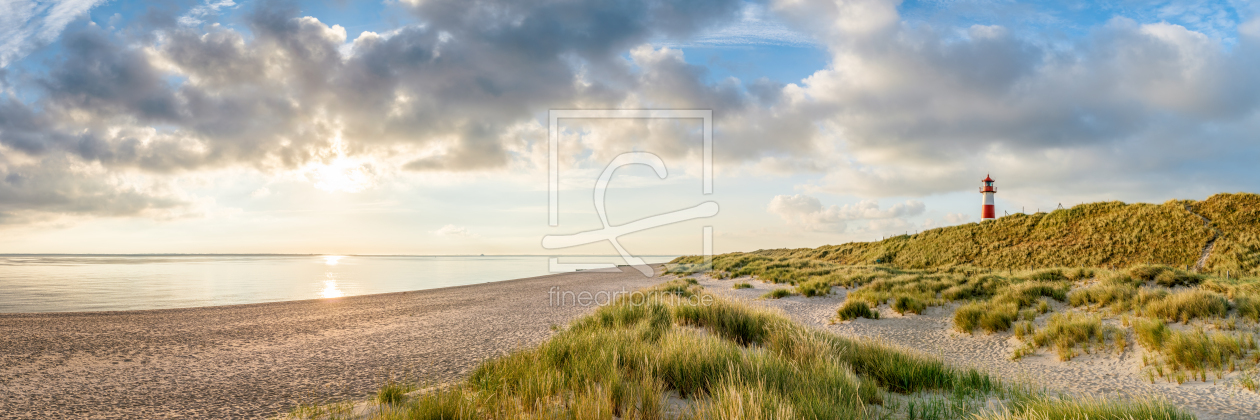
[[741, 285], [1187, 355], [1069, 332], [660, 356], [1187, 305], [1051, 408], [988, 316], [1107, 234], [777, 294], [1237, 218], [1100, 235], [906, 304], [816, 287], [853, 309]]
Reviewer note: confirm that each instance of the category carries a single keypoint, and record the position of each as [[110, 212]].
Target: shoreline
[[260, 359]]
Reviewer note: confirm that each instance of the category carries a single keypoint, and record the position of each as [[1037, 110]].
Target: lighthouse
[[986, 193]]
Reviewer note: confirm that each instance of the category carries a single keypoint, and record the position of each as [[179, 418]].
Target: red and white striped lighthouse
[[986, 192]]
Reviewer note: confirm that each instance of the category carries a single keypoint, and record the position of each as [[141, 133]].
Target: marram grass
[[1101, 235], [667, 358]]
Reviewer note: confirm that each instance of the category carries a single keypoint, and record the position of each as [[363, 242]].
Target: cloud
[[754, 27], [807, 211], [450, 94], [904, 108], [918, 109], [37, 190], [27, 24], [957, 218], [198, 14], [454, 231]]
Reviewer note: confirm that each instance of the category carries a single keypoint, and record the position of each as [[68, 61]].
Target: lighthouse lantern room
[[986, 193]]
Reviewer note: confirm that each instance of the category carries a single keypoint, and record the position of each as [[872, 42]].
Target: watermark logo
[[610, 232], [557, 297]]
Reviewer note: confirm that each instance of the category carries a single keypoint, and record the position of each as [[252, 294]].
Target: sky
[[421, 126]]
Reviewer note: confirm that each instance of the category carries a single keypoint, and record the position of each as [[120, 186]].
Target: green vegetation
[[777, 294], [1236, 253], [986, 315], [1137, 261], [1191, 355], [1187, 305], [853, 309], [816, 287], [1099, 235], [742, 285], [1047, 408], [664, 357], [393, 392], [1067, 332], [903, 304]]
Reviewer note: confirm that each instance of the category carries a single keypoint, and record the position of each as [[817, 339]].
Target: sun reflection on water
[[332, 259], [330, 287]]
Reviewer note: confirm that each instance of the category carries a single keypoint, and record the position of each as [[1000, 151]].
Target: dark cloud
[[34, 191], [164, 97], [99, 75], [910, 109], [903, 109]]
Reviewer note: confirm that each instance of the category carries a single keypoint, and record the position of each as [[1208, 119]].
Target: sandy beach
[[932, 332], [256, 361]]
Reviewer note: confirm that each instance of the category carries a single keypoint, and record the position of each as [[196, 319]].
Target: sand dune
[[932, 332], [252, 361]]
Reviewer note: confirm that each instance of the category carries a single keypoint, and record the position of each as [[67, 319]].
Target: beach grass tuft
[[853, 309], [668, 357], [777, 294]]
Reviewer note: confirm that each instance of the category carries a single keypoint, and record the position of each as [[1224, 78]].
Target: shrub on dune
[[1027, 293], [989, 316], [777, 294], [1068, 331], [853, 309], [1248, 307], [1117, 295], [816, 287], [903, 304], [1187, 305]]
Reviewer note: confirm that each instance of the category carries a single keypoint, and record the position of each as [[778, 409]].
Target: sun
[[341, 175]]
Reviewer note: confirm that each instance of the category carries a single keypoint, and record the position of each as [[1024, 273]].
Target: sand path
[[252, 361], [933, 332]]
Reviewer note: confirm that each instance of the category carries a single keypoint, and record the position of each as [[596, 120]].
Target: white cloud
[[198, 14], [957, 218], [454, 232], [807, 211], [755, 27], [28, 24], [1128, 108]]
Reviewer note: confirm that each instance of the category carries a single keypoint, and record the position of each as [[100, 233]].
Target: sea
[[90, 283]]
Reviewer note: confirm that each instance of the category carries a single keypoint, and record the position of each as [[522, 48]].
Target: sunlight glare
[[330, 288], [332, 259], [343, 173]]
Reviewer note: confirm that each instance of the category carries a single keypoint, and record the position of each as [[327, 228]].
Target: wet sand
[[256, 361]]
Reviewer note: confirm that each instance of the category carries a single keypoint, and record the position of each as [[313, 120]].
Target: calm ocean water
[[32, 283]]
